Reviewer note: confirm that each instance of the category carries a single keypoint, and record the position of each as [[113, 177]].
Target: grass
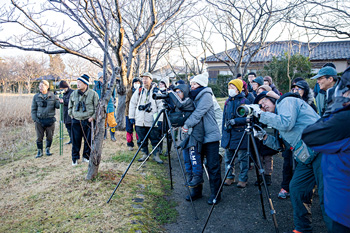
[[49, 195]]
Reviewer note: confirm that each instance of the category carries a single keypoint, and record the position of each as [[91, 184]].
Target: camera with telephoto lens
[[160, 96], [245, 110], [146, 107], [80, 105]]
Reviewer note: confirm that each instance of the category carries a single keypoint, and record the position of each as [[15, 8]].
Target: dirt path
[[239, 210]]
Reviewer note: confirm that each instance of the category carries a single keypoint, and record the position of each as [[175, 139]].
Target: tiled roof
[[332, 50]]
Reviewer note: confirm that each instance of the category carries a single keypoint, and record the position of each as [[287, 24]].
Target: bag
[[178, 119], [47, 122], [303, 154]]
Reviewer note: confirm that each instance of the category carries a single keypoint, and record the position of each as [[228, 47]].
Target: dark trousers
[[80, 130], [301, 190], [153, 136], [41, 131], [69, 130], [287, 169], [211, 151]]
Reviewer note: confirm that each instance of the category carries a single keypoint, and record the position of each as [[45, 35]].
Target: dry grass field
[[49, 195]]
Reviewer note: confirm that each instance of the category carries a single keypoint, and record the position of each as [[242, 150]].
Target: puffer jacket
[[44, 107], [231, 135], [292, 116], [144, 97], [110, 105], [205, 111], [90, 98], [67, 119]]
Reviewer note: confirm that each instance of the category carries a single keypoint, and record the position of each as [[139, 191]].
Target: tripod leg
[[166, 125], [137, 152], [261, 171], [223, 181], [180, 164]]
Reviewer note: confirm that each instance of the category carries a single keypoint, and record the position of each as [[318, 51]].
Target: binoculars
[[80, 105]]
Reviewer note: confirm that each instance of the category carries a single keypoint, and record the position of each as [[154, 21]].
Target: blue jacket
[[98, 89], [331, 136], [205, 110], [292, 116], [231, 137]]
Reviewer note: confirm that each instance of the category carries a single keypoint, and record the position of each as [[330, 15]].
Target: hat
[[99, 75], [180, 82], [259, 80], [264, 95], [237, 83], [301, 84], [46, 83], [327, 70], [136, 80], [265, 87], [85, 79], [201, 79], [165, 81], [268, 79], [64, 84], [147, 74]]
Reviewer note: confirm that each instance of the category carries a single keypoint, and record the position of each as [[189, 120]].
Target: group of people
[[308, 127]]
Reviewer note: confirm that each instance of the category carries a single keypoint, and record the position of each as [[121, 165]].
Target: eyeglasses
[[178, 92]]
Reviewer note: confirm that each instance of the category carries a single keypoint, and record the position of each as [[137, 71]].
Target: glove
[[159, 123], [232, 122], [259, 133], [132, 121], [256, 110], [184, 129]]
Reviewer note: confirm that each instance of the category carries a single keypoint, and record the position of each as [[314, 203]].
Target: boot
[[48, 145], [196, 180], [268, 180], [211, 199], [144, 156], [196, 193], [39, 145], [157, 159], [105, 137], [113, 135]]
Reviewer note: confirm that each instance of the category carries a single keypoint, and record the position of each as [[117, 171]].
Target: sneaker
[[241, 184], [283, 194], [74, 163], [85, 160], [295, 231], [130, 148], [229, 182]]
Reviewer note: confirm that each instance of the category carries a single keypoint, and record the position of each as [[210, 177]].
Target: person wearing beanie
[[268, 81], [256, 83], [164, 84], [232, 131], [202, 97], [136, 86], [263, 88], [178, 82], [110, 118], [82, 108], [65, 101], [43, 111]]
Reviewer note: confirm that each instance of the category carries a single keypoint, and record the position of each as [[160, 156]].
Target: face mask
[[232, 92], [136, 85], [162, 88]]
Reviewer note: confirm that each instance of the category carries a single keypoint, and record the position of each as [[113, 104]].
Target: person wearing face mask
[[164, 85], [233, 128], [136, 85], [65, 100]]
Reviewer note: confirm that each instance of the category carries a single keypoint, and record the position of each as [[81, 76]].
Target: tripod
[[169, 133], [258, 169]]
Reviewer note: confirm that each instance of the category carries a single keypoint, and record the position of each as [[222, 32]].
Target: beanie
[[180, 82], [268, 79], [265, 87], [201, 79], [259, 80], [85, 79], [64, 84], [165, 81], [237, 83], [99, 75]]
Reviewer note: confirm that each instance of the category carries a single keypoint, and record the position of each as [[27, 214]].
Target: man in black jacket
[[65, 100]]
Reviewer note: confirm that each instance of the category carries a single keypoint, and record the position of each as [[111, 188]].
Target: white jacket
[[143, 97]]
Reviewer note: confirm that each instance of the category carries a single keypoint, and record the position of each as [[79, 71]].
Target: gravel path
[[239, 210]]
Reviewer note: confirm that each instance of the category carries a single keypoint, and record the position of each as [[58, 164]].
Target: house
[[319, 53]]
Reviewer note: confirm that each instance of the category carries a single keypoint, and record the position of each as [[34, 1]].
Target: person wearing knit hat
[[256, 83], [164, 84], [82, 108], [263, 88], [201, 79], [147, 74], [232, 131], [67, 120], [268, 81], [43, 111]]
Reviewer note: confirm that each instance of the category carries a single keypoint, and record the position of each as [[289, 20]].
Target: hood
[[184, 88], [204, 91], [289, 94]]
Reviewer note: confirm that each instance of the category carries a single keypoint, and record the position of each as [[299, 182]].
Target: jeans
[[193, 162], [287, 169], [301, 190], [244, 166], [80, 130]]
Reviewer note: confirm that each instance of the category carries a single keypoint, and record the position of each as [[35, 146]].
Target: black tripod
[[168, 133], [258, 169]]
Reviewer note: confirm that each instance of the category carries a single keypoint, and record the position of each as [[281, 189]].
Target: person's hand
[[256, 110], [232, 122], [259, 132], [91, 119], [132, 121], [61, 100], [184, 129], [273, 95]]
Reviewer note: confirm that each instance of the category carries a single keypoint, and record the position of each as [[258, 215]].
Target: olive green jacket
[[90, 98], [44, 107]]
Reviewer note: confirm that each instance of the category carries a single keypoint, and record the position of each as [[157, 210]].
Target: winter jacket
[[90, 98], [292, 116], [274, 89], [310, 99], [205, 111], [329, 137], [250, 97], [218, 113], [44, 106], [142, 117], [231, 135], [321, 102], [67, 119], [98, 89]]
